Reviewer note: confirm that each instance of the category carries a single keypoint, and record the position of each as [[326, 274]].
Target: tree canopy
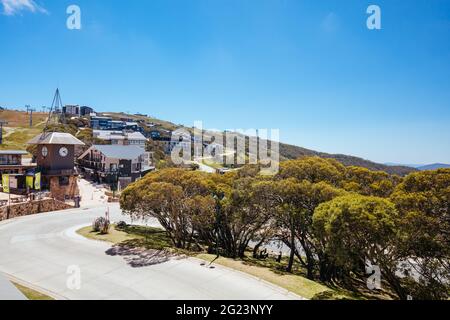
[[334, 219]]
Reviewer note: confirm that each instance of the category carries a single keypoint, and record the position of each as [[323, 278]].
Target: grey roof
[[120, 151], [14, 152], [136, 136], [118, 135], [56, 138]]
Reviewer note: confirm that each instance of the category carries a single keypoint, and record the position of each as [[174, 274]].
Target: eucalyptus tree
[[180, 200], [359, 230], [293, 203], [423, 199]]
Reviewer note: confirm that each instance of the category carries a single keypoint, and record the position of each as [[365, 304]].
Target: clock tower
[[55, 157]]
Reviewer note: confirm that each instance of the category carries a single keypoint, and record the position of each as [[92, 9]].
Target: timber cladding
[[53, 160]]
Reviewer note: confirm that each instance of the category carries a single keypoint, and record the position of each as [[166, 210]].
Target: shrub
[[121, 225], [101, 225]]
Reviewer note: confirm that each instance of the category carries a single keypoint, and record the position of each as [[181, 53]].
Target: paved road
[[39, 250], [8, 291]]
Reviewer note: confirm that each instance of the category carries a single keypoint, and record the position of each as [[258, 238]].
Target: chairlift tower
[[31, 116], [56, 111], [2, 123]]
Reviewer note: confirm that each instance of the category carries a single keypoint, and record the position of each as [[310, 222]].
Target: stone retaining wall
[[32, 207]]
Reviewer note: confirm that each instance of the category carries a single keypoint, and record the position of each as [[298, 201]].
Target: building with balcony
[[124, 137], [101, 123], [86, 111], [71, 110], [11, 161], [17, 168], [115, 164]]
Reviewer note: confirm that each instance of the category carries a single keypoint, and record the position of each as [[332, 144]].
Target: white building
[[121, 137]]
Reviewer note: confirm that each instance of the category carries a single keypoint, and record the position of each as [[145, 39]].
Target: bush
[[121, 225], [101, 225], [426, 289]]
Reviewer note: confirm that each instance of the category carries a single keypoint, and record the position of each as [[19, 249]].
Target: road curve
[[42, 249]]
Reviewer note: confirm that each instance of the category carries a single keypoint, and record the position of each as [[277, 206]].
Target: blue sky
[[310, 68]]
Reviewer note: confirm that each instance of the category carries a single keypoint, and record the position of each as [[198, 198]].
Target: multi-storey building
[[121, 137], [116, 163]]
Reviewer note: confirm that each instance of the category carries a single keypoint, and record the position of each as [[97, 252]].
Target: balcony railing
[[10, 163], [61, 172]]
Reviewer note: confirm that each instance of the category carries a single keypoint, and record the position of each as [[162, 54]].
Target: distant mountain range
[[421, 167], [292, 152], [434, 166]]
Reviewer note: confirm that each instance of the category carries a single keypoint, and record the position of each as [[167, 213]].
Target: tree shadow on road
[[138, 256]]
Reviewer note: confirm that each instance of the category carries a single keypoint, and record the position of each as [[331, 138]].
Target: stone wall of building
[[61, 192], [32, 207]]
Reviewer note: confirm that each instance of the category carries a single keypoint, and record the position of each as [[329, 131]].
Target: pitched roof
[[14, 152], [120, 151], [118, 135], [136, 136], [56, 138]]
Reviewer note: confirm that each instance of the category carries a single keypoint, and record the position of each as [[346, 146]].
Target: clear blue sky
[[310, 68]]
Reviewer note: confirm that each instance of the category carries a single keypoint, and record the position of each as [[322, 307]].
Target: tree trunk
[[310, 269], [394, 282], [292, 242], [256, 248]]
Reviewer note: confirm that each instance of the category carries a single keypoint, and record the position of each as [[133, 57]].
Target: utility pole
[[2, 123], [28, 107], [8, 213], [31, 117]]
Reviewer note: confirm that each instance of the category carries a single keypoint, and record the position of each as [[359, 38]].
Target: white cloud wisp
[[12, 7]]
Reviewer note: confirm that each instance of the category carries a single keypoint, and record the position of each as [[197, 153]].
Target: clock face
[[44, 151], [63, 152]]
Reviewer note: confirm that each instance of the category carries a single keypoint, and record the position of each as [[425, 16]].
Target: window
[[9, 159], [64, 181]]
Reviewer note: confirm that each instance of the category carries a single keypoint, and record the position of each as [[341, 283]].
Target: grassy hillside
[[17, 132], [286, 151], [141, 118], [293, 152]]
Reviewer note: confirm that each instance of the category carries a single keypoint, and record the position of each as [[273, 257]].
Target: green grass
[[294, 283], [137, 236], [16, 132], [32, 294], [18, 138], [268, 270], [114, 235]]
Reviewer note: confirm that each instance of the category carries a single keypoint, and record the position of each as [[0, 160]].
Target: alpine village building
[[55, 157], [118, 165], [16, 171]]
